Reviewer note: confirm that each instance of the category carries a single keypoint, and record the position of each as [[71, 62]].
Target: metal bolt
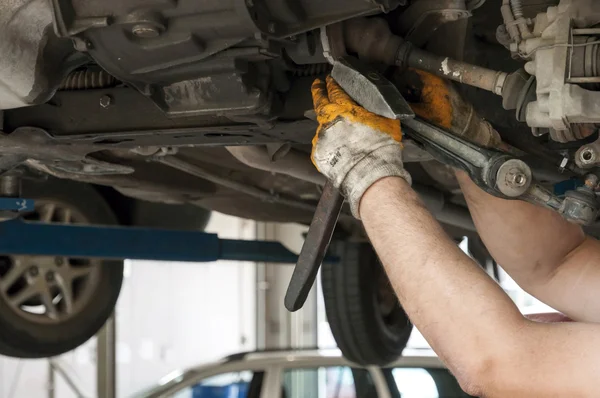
[[33, 271], [50, 276], [105, 101], [145, 31], [58, 261], [272, 27], [517, 179]]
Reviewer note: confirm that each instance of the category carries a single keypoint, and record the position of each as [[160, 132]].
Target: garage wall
[[169, 315]]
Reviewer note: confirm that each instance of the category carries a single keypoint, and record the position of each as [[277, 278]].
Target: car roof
[[260, 360], [297, 358]]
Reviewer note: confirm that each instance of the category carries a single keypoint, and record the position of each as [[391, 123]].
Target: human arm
[[474, 327], [469, 321], [546, 255]]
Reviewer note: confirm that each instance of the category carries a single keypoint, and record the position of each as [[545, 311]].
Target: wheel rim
[[46, 289]]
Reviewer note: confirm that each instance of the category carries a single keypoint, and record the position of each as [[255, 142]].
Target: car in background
[[308, 374]]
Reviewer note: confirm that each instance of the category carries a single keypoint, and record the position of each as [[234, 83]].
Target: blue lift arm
[[30, 238]]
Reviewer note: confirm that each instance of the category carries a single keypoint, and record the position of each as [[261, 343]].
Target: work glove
[[353, 147]]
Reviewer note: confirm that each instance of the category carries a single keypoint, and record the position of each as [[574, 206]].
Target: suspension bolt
[[517, 179], [105, 101], [513, 178], [33, 270]]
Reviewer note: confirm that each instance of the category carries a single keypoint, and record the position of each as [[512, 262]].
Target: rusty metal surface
[[462, 72], [315, 247]]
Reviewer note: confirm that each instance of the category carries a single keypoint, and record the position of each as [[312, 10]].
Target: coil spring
[[312, 70], [88, 79]]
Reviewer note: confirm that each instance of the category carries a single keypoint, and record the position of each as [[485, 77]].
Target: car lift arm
[[29, 238]]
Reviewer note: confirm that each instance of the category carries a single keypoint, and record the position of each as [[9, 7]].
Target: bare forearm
[[468, 320], [547, 256], [527, 240], [445, 294]]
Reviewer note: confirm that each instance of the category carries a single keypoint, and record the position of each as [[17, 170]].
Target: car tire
[[364, 315], [24, 336]]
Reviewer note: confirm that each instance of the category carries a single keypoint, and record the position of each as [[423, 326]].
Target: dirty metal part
[[485, 167], [419, 22], [438, 101], [372, 40], [314, 248], [39, 150], [105, 101], [509, 21], [88, 79], [580, 206], [514, 87], [132, 120], [562, 54], [513, 178], [306, 49], [584, 63], [458, 71], [370, 89], [588, 156], [136, 44], [34, 61], [253, 191], [519, 19], [541, 196], [224, 92], [294, 163]]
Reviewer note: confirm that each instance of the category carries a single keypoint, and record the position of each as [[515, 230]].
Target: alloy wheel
[[49, 289]]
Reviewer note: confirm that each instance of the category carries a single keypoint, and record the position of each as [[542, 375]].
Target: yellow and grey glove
[[353, 147]]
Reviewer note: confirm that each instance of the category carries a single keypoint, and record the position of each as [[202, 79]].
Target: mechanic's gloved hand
[[353, 147]]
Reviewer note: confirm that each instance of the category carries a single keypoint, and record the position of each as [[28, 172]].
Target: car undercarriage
[[208, 103], [113, 109]]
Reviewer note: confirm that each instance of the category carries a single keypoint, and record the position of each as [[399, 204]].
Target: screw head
[[33, 270], [58, 261], [50, 276], [145, 31], [105, 101]]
